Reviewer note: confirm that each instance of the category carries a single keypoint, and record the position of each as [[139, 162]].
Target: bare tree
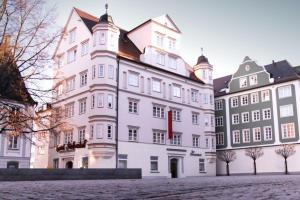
[[254, 153], [286, 151], [227, 156], [27, 36]]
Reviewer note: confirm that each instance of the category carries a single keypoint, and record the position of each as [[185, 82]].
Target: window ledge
[[154, 172]]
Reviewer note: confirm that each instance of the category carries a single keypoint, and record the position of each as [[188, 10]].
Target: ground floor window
[[12, 165], [122, 161], [268, 133], [288, 130], [85, 162], [201, 165], [56, 163], [220, 138], [176, 140], [154, 163]]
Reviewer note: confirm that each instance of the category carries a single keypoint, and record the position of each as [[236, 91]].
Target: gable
[[165, 20]]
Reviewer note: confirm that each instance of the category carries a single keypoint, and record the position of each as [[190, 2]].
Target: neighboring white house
[[14, 146], [116, 88]]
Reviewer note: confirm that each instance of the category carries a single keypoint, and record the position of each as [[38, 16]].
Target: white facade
[[119, 93]]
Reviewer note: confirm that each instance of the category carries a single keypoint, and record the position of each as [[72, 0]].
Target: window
[[68, 137], [243, 82], [82, 106], [84, 48], [212, 124], [268, 133], [133, 79], [172, 62], [72, 36], [288, 130], [112, 40], [60, 89], [267, 114], [234, 102], [176, 91], [122, 161], [85, 162], [81, 135], [69, 110], [176, 140], [160, 40], [235, 119], [156, 85], [109, 131], [56, 163], [60, 61], [219, 121], [13, 142], [195, 118], [201, 165], [219, 105], [100, 100], [102, 38], [236, 137], [176, 115], [100, 71], [220, 138], [159, 137], [56, 139], [110, 101], [284, 91], [196, 142], [206, 121], [110, 71], [194, 95], [245, 117], [172, 43], [255, 115], [253, 79], [254, 98], [211, 99], [99, 131], [256, 134], [206, 143], [244, 100], [246, 135], [205, 98], [286, 110], [71, 55], [154, 163], [94, 71], [83, 79], [92, 101], [70, 84], [158, 111], [133, 106], [265, 95], [160, 58], [12, 165], [92, 132], [133, 134]]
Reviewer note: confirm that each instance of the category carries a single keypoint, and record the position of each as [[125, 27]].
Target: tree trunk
[[254, 162], [227, 169], [286, 167]]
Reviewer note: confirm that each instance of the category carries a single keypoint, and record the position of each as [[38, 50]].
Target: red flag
[[170, 126]]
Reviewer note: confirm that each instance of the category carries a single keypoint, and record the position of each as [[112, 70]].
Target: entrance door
[[174, 167], [69, 165]]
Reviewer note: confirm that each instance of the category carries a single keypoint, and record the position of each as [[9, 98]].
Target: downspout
[[117, 110]]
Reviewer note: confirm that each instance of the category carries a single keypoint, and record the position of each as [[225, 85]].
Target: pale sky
[[228, 30]]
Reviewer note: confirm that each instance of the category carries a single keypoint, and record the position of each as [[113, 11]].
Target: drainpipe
[[117, 110]]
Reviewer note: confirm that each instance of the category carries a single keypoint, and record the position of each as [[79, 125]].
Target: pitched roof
[[12, 86], [280, 71]]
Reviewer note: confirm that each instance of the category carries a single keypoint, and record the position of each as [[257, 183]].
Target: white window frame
[[265, 95], [176, 115], [234, 121], [218, 105], [110, 101], [176, 140], [101, 71], [246, 135], [284, 91], [81, 134], [133, 106], [234, 102], [246, 98], [100, 100], [158, 111], [176, 91], [268, 136], [257, 130], [72, 35], [85, 48], [158, 137], [201, 165], [219, 121], [154, 163], [236, 137], [243, 117], [220, 138], [196, 141], [194, 95], [110, 71], [133, 79], [254, 98], [243, 82], [156, 85], [13, 142], [269, 116], [255, 117], [195, 118], [286, 110], [253, 79], [285, 128], [82, 106], [83, 78]]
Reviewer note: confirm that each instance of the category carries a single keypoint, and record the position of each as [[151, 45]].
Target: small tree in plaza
[[286, 151], [254, 153], [227, 156]]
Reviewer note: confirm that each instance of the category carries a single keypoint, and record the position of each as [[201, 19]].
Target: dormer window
[[159, 40], [172, 62], [243, 82], [172, 43], [160, 58]]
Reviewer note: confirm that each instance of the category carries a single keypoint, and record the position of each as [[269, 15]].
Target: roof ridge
[[85, 14]]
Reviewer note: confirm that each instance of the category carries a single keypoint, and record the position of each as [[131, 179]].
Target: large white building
[[116, 88]]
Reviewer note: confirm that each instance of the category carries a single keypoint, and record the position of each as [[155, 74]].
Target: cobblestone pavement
[[234, 187]]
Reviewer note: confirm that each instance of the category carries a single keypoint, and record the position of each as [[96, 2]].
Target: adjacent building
[[15, 143], [258, 106], [131, 101]]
